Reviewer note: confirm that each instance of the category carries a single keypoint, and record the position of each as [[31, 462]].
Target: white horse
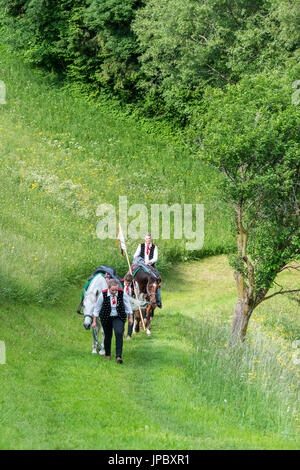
[[97, 285]]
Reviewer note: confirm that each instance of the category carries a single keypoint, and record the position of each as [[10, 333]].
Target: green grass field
[[179, 389], [60, 158], [182, 388]]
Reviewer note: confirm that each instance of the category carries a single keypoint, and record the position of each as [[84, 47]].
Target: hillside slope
[[62, 156], [179, 389]]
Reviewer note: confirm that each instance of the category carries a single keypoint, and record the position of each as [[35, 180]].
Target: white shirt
[[155, 254], [113, 312]]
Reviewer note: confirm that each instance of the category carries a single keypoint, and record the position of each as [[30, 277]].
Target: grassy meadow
[[182, 388], [60, 158]]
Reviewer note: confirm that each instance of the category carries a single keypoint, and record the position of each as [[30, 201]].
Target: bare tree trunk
[[245, 290], [240, 320]]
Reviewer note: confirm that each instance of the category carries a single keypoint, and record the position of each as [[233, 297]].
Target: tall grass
[[256, 384], [61, 156]]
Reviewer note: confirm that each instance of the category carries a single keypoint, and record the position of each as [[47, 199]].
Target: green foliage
[[87, 41], [190, 45], [269, 40], [159, 55], [250, 132]]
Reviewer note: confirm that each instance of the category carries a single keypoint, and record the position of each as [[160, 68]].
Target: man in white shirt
[[113, 306], [149, 252]]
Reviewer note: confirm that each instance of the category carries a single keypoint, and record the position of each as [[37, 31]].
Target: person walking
[[112, 307]]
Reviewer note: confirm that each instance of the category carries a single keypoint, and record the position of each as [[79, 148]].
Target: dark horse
[[148, 287]]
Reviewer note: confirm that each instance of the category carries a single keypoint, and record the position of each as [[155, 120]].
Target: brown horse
[[148, 287]]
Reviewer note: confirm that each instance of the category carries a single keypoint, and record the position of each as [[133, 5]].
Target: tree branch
[[224, 170], [252, 203], [220, 74], [289, 267], [233, 16], [280, 292], [200, 35]]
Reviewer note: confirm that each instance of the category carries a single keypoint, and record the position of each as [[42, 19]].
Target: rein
[[96, 339]]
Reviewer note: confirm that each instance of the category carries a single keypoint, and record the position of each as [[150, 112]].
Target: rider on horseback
[[148, 251]]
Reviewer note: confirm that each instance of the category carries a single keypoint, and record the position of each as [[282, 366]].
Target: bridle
[[152, 293]]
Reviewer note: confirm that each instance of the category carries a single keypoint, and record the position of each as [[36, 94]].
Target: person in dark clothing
[[113, 306]]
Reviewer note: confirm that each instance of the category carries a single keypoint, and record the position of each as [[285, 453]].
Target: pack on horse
[[148, 286]]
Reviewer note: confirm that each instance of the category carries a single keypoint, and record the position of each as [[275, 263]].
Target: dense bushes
[[87, 41], [159, 55]]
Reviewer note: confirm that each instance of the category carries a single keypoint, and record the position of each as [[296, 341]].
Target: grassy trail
[[175, 390], [180, 389]]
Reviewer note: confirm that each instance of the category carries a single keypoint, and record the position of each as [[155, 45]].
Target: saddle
[[136, 267], [156, 276], [100, 270]]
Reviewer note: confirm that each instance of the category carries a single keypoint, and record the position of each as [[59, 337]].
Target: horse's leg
[[102, 350], [95, 346], [137, 321], [134, 321], [151, 316], [149, 310], [142, 280]]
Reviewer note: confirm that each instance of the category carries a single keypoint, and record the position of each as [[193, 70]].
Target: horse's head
[[152, 287], [89, 302]]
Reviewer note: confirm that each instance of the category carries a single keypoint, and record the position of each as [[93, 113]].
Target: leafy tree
[[14, 7], [188, 45], [118, 48], [185, 45], [250, 133], [40, 28], [270, 38], [161, 54], [89, 41]]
